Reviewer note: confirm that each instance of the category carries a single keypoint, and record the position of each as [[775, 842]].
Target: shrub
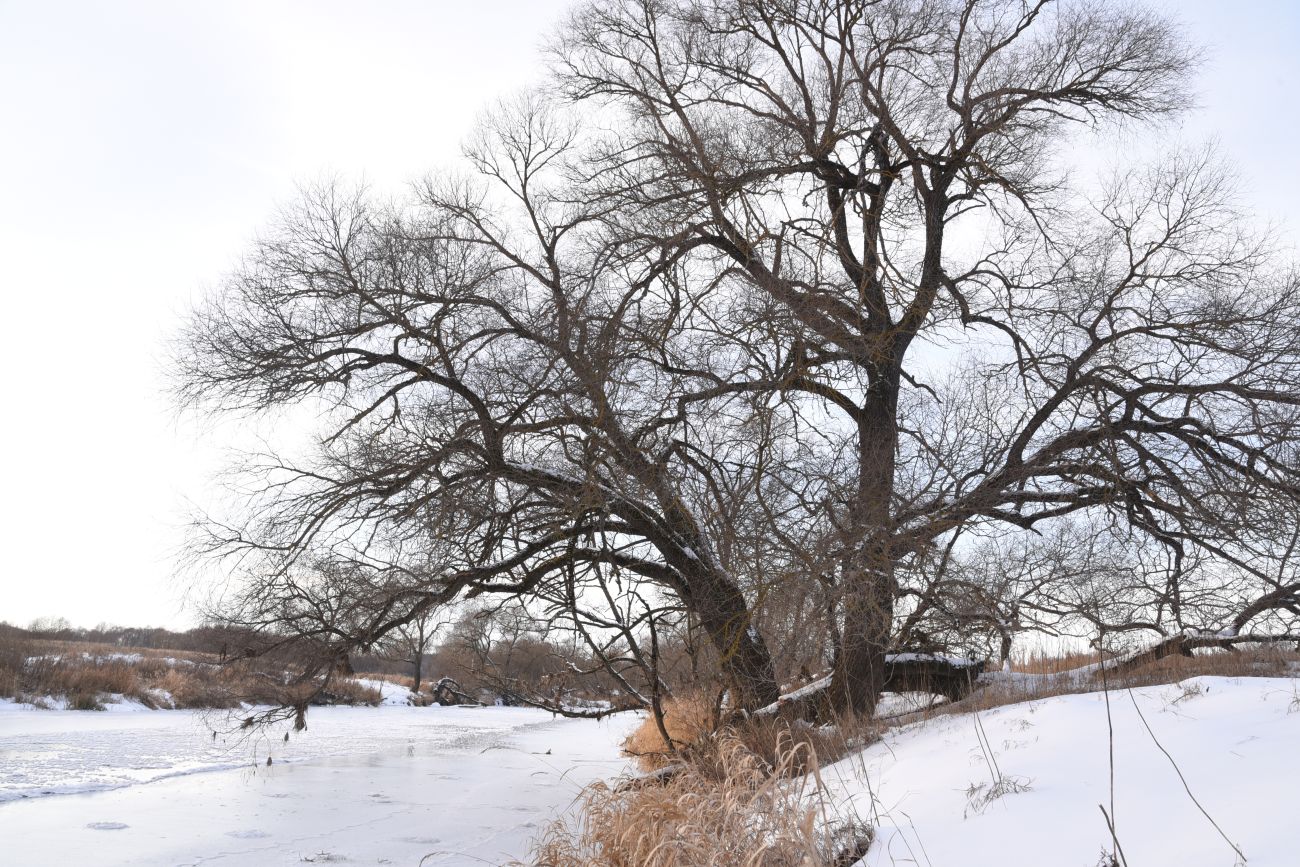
[[84, 701], [352, 692]]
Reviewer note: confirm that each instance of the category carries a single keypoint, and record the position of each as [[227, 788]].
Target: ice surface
[[361, 785]]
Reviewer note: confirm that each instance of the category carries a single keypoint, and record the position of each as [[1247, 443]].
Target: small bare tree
[[411, 642]]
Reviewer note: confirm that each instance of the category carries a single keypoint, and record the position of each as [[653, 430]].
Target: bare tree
[[806, 300], [411, 642], [504, 403], [1136, 355]]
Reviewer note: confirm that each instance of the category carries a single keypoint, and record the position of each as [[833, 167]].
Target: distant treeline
[[202, 639]]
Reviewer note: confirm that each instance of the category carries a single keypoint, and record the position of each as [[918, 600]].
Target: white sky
[[142, 143]]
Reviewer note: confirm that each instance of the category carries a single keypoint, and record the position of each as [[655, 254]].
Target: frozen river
[[387, 785]]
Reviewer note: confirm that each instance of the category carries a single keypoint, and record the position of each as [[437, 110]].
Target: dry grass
[[1048, 661], [1248, 661], [786, 744], [84, 683], [142, 655], [747, 793], [727, 806], [202, 687], [351, 692], [402, 680], [688, 719], [86, 676]]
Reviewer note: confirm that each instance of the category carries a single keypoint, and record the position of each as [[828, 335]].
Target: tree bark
[[724, 613], [859, 674], [868, 573]]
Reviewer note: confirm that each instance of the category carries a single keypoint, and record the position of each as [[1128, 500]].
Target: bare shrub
[[13, 654], [84, 701], [196, 687], [352, 692]]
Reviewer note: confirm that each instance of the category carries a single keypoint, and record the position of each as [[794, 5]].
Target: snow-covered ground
[[386, 785], [394, 784], [392, 693], [926, 787]]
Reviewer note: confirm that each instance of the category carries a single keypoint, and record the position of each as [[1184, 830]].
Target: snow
[[388, 784], [1015, 786], [926, 787], [955, 661], [391, 693]]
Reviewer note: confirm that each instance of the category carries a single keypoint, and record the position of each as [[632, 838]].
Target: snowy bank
[[1021, 785]]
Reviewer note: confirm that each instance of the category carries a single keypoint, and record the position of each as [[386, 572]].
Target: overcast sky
[[141, 145]]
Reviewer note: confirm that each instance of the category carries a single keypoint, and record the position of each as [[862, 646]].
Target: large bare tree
[[770, 294], [1135, 352]]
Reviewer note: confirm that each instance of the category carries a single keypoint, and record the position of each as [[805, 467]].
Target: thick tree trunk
[[419, 670], [867, 574], [860, 671], [724, 613]]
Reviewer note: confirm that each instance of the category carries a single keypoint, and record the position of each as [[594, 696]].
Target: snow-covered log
[[447, 691], [953, 677]]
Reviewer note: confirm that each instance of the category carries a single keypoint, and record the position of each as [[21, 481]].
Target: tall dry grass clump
[[692, 721], [727, 806], [83, 682], [688, 719], [13, 656]]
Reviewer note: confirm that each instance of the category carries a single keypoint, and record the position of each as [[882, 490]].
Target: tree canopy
[[782, 315]]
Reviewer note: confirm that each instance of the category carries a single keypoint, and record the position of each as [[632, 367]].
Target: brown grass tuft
[[688, 719], [727, 806]]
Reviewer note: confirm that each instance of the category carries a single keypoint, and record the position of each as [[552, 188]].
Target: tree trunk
[[867, 575], [724, 613], [419, 671], [859, 674]]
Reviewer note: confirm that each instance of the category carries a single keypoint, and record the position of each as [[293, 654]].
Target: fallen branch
[[1185, 642]]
